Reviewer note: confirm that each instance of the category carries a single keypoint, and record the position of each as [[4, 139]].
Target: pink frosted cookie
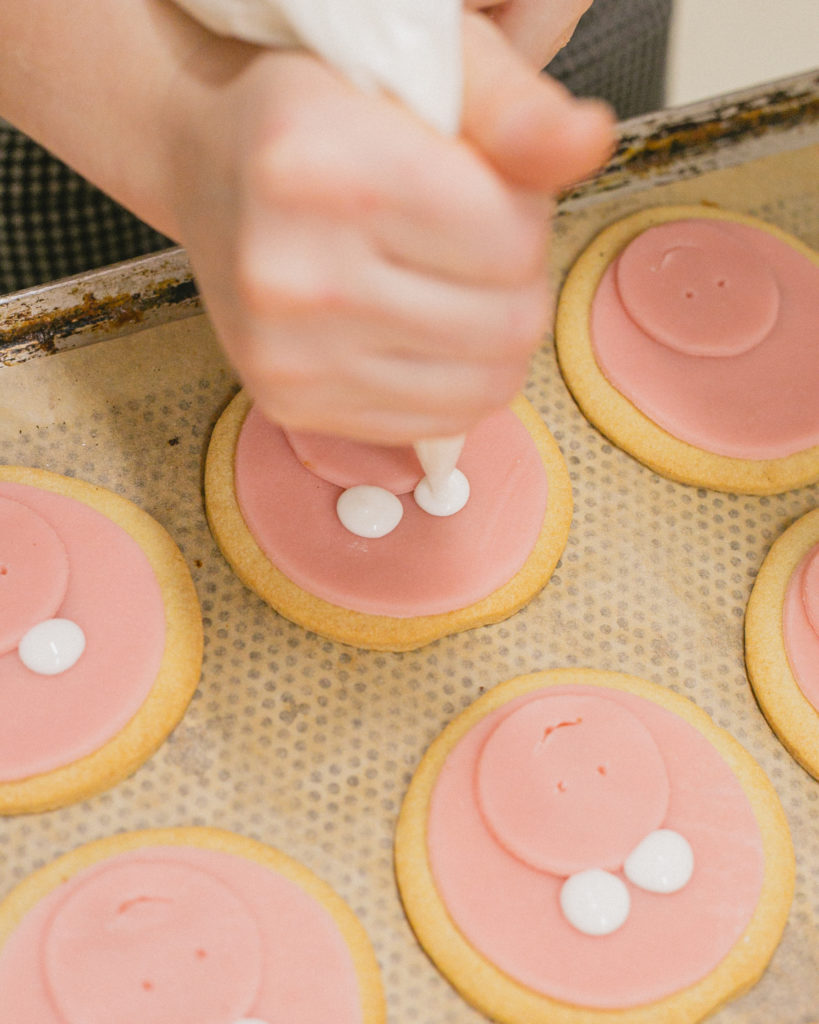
[[273, 505], [183, 926], [782, 639], [690, 336], [583, 847], [100, 639]]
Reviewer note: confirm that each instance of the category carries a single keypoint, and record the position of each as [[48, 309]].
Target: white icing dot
[[52, 646], [251, 1020], [595, 902], [369, 511], [447, 499], [662, 862]]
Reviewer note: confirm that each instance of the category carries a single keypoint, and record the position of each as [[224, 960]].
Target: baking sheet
[[309, 745]]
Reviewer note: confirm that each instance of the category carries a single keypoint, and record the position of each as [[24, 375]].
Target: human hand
[[536, 28], [366, 276]]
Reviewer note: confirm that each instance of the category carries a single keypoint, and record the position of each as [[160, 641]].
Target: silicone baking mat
[[309, 745]]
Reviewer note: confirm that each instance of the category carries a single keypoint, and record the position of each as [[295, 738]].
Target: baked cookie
[[583, 847], [190, 925], [272, 502], [689, 336], [782, 639], [100, 639]]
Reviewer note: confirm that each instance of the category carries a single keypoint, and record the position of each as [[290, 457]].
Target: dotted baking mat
[[309, 745]]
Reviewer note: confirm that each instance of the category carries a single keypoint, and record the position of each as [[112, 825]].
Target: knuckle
[[284, 166], [273, 285], [297, 170]]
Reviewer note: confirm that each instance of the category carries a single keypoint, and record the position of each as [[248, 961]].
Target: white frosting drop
[[369, 511], [663, 862], [52, 646], [445, 500], [595, 902], [251, 1020]]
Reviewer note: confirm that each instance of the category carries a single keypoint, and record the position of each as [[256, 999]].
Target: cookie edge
[[615, 416], [359, 629], [179, 672], [40, 883], [503, 999], [794, 720]]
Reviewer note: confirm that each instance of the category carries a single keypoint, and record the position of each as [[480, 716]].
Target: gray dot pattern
[[309, 745]]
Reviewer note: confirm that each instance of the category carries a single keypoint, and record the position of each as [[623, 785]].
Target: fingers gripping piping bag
[[409, 48], [317, 578]]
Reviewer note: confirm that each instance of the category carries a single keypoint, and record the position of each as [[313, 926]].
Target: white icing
[[595, 902], [369, 511], [251, 1020], [439, 456], [447, 499], [663, 862], [52, 646]]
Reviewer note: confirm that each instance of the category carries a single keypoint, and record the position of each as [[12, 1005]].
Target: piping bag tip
[[439, 457]]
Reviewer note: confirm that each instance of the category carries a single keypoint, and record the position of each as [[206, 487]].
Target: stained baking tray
[[665, 146], [309, 745]]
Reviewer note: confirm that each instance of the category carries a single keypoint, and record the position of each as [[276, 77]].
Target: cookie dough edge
[[615, 416], [179, 672], [502, 998], [26, 894], [358, 629], [794, 720]]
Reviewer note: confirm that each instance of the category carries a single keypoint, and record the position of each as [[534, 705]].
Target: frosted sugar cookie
[[189, 925], [782, 639], [690, 337], [100, 639], [583, 847], [272, 503]]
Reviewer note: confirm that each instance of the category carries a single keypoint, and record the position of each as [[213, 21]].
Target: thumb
[[524, 123]]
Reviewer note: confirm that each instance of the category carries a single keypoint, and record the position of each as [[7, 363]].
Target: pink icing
[[152, 943], [113, 595], [428, 564], [757, 400], [696, 289], [348, 463], [810, 590], [510, 911], [582, 759], [280, 956], [799, 618], [33, 572]]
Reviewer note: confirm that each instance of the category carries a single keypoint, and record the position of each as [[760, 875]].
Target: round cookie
[[100, 642], [614, 765], [782, 639], [390, 593], [190, 925], [692, 318]]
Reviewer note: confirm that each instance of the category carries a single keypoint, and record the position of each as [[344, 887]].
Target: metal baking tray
[[660, 147], [309, 745]]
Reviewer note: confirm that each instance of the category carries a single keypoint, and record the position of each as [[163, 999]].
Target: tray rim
[[665, 145]]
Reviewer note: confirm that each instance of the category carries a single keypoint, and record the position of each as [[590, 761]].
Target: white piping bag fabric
[[409, 48]]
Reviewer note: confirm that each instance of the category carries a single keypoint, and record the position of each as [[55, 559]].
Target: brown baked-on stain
[[745, 119], [645, 154], [29, 335]]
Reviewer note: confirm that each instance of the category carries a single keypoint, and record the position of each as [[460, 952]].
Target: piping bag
[[409, 48]]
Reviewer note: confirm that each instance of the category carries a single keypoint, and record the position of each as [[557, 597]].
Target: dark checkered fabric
[[619, 53], [53, 223]]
